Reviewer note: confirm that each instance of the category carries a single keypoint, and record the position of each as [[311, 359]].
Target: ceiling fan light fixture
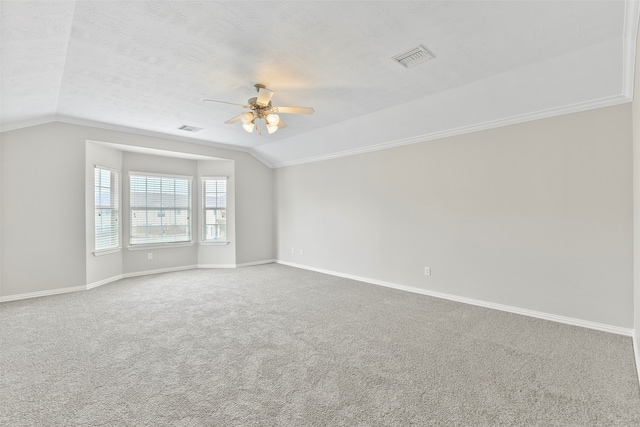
[[246, 118], [273, 119], [272, 128], [248, 127]]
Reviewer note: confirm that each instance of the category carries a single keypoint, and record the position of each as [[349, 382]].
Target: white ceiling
[[147, 65]]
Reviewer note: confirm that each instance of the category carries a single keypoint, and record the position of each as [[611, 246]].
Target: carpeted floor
[[273, 345]]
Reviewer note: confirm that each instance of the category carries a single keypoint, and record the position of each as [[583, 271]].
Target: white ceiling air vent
[[413, 57], [189, 128]]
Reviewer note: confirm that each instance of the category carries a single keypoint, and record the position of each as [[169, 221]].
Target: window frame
[[114, 207], [176, 209], [205, 208]]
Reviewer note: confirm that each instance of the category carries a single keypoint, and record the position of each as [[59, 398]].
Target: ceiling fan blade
[[235, 119], [281, 124], [293, 110], [264, 96], [223, 102]]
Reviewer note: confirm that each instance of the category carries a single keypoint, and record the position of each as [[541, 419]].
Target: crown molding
[[7, 127], [625, 97], [261, 158], [536, 115], [119, 128], [20, 124]]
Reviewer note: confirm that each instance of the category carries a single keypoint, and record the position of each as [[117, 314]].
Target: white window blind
[[160, 209], [214, 191], [107, 229]]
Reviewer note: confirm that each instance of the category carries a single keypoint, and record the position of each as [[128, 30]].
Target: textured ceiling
[[148, 65]]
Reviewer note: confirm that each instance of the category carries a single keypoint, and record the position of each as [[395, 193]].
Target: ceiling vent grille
[[189, 128], [413, 57]]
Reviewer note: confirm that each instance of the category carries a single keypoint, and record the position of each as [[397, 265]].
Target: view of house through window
[[107, 230], [215, 208], [160, 209]]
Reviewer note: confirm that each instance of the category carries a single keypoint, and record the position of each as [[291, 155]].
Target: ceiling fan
[[261, 109]]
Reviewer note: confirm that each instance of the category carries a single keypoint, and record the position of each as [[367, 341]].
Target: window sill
[[158, 246], [213, 243], [106, 252]]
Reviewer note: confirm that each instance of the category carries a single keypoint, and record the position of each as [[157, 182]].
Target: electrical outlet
[[301, 251], [150, 255], [293, 251], [427, 271]]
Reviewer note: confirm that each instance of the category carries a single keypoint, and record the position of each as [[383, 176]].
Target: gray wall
[[39, 258], [43, 211], [636, 199], [1, 193], [215, 255], [254, 213], [536, 215]]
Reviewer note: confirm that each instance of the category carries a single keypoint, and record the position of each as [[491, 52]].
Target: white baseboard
[[42, 293], [161, 270], [123, 276], [104, 281], [60, 290], [510, 309], [90, 285], [516, 310], [216, 266], [636, 351], [249, 264], [246, 264]]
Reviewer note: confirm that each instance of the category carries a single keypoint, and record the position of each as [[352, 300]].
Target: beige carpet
[[273, 345]]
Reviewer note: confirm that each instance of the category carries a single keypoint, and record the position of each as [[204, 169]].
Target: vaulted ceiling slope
[[146, 66]]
